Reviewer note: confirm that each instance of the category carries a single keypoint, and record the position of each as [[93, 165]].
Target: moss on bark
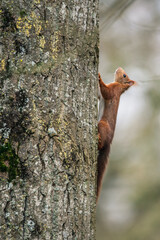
[[9, 161]]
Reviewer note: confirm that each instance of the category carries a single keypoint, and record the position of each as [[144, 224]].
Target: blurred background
[[129, 204]]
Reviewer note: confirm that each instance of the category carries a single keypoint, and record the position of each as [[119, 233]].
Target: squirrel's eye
[[124, 75]]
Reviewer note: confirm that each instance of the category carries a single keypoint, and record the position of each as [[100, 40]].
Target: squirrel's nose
[[131, 82]]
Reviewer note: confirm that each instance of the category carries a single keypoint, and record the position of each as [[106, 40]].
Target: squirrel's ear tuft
[[118, 74], [119, 70]]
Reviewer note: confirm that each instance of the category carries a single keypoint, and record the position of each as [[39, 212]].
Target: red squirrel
[[109, 101]]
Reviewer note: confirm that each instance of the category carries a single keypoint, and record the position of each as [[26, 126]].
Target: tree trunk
[[48, 119]]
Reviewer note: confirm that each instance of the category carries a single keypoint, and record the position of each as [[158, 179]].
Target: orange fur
[[110, 95]]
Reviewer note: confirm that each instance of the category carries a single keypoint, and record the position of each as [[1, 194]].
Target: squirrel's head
[[122, 78]]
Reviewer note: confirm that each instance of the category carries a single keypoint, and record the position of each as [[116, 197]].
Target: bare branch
[[113, 12]]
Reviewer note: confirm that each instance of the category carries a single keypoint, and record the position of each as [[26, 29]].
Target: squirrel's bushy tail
[[101, 166]]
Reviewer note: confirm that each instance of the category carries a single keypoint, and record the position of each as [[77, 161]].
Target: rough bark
[[48, 119]]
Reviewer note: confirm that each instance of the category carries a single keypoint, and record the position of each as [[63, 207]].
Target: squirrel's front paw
[[99, 77]]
